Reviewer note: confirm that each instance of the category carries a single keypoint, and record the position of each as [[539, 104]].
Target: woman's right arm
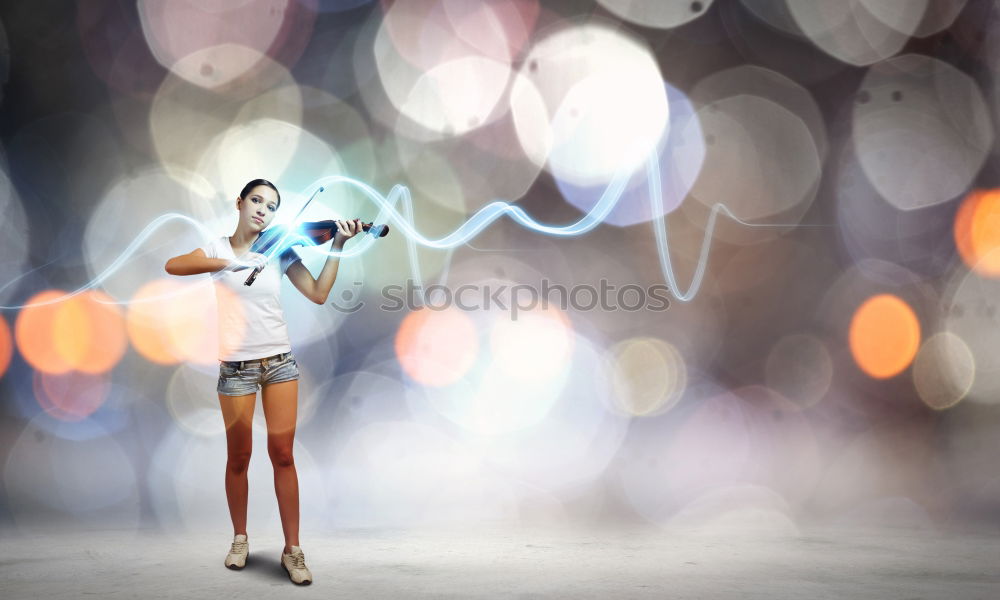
[[194, 262]]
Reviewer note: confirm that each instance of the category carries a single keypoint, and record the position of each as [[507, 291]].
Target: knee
[[238, 461], [281, 457]]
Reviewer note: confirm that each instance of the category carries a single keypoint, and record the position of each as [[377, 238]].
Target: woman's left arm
[[317, 290]]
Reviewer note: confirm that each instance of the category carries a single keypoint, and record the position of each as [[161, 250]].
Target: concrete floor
[[511, 562]]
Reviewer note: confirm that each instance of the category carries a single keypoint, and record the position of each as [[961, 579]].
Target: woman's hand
[[345, 231], [249, 260]]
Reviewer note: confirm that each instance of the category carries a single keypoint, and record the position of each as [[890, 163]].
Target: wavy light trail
[[467, 231]]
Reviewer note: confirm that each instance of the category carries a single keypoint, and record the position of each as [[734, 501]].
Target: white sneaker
[[238, 552], [295, 565]]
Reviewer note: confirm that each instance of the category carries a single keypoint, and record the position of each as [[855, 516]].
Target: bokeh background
[[844, 371]]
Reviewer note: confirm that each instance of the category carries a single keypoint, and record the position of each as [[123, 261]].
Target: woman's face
[[258, 208]]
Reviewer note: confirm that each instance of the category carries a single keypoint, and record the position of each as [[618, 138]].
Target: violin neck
[[330, 224], [314, 225]]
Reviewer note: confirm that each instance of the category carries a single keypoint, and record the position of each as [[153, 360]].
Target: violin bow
[[257, 270]]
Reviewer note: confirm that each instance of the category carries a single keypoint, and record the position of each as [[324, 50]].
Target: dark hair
[[255, 183]]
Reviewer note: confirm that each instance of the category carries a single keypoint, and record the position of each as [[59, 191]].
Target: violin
[[309, 233]]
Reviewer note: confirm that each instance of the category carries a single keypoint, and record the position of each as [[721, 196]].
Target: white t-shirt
[[251, 322]]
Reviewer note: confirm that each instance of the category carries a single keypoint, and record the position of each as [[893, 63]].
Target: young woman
[[254, 353]]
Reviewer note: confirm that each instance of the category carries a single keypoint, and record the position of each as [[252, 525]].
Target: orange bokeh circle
[[57, 334], [90, 332], [34, 332], [437, 347], [884, 336], [170, 321], [977, 231], [6, 346]]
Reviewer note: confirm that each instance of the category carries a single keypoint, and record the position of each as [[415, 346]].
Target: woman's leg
[[280, 407], [237, 412]]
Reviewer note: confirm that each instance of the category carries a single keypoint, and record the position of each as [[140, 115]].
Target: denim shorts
[[242, 377]]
